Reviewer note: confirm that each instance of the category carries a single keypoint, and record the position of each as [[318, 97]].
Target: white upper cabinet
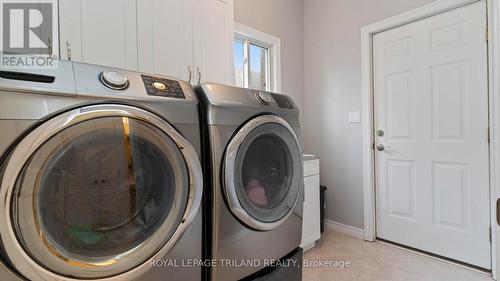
[[99, 32], [214, 32], [179, 38], [165, 37]]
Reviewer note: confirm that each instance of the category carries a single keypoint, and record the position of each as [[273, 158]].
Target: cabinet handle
[[190, 74], [199, 75], [68, 49], [51, 51]]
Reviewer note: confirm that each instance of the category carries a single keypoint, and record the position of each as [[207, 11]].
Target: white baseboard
[[346, 229], [308, 247]]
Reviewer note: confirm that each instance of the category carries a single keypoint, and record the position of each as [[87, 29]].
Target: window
[[252, 65], [256, 59]]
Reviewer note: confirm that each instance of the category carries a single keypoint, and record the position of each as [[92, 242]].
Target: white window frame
[[273, 43]]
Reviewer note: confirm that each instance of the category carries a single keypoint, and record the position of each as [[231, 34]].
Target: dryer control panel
[[283, 101], [157, 86]]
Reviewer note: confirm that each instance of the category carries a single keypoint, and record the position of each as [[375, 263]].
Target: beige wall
[[333, 88], [283, 19], [321, 70]]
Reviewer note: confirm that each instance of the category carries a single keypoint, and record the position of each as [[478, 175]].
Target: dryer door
[[97, 192], [263, 172]]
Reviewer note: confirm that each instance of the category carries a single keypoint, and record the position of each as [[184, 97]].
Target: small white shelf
[[311, 215]]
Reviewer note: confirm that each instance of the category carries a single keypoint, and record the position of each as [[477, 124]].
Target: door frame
[[367, 33]]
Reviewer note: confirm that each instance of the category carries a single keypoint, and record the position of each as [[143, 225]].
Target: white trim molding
[[343, 228], [494, 90], [425, 11], [267, 40]]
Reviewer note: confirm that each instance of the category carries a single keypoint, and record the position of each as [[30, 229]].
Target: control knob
[[114, 80], [264, 98]]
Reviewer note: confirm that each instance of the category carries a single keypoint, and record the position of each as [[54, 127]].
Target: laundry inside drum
[[100, 189]]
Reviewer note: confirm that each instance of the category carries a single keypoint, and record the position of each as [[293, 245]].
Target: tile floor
[[377, 261]]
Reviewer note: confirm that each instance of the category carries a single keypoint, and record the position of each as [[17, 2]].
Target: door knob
[[381, 147]]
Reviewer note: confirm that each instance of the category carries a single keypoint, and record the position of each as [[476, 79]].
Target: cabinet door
[[311, 216], [214, 41], [165, 37], [99, 32]]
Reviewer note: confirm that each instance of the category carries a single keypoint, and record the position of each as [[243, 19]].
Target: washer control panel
[[157, 86]]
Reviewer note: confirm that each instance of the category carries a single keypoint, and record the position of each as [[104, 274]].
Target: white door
[[431, 102], [99, 32], [214, 35], [165, 37]]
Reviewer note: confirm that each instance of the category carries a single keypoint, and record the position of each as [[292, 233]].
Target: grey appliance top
[[73, 83], [91, 80], [226, 105], [59, 81], [309, 157], [80, 79]]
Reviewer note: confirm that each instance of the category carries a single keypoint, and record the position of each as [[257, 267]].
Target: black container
[[322, 206]]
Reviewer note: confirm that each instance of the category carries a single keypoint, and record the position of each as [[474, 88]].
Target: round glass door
[[263, 170], [103, 195]]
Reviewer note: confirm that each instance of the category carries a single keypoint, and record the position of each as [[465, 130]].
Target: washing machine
[[253, 179], [100, 175]]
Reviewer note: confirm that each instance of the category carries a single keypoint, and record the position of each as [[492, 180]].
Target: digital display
[[156, 86]]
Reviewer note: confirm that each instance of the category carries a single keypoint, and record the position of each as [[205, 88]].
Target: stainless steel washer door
[[263, 172], [97, 192]]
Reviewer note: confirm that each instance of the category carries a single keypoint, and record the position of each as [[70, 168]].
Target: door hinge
[[487, 34], [491, 235], [489, 135]]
